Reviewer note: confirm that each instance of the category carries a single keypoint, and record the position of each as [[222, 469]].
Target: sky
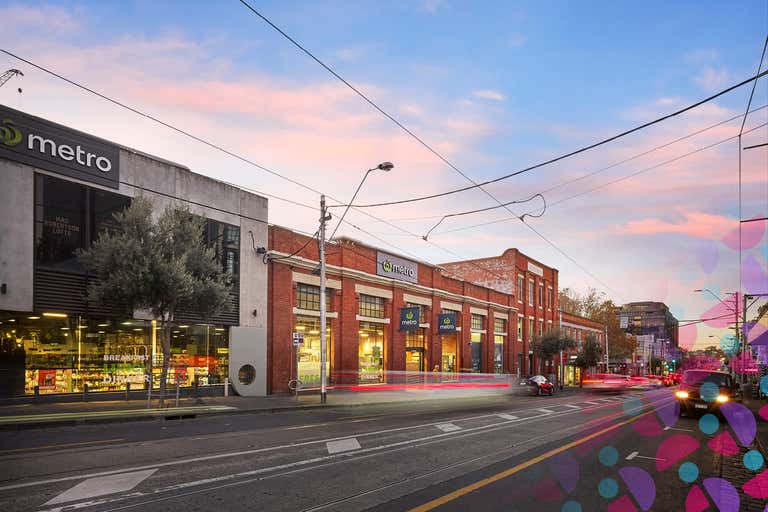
[[494, 87]]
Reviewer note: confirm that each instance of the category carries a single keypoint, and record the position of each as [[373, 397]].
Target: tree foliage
[[590, 354], [161, 266], [551, 343]]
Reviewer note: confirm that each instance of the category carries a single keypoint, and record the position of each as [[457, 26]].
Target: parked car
[[606, 382], [536, 385], [705, 391]]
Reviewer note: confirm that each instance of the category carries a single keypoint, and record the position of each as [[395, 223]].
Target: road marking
[[516, 469], [634, 455], [546, 411], [681, 429], [63, 445], [448, 427], [572, 406], [506, 416], [101, 486], [593, 403], [240, 453], [342, 445]]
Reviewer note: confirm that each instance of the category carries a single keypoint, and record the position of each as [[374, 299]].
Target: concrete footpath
[[49, 414]]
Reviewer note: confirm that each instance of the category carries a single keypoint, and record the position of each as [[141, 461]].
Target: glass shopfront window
[[308, 297], [500, 331], [371, 353], [309, 353], [372, 307], [476, 340], [63, 354]]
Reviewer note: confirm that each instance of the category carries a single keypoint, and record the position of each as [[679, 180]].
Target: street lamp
[[325, 217]]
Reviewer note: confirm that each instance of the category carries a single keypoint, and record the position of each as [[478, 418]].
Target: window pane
[[499, 325], [477, 322], [60, 222], [371, 306]]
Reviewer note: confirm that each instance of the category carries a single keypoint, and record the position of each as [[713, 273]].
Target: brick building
[[578, 328], [366, 290], [533, 286]]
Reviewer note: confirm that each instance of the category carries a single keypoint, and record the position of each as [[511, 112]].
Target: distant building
[[578, 328], [655, 327]]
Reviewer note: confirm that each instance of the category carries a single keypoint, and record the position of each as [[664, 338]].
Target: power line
[[443, 158], [217, 148], [608, 167], [567, 155], [417, 138], [617, 180]]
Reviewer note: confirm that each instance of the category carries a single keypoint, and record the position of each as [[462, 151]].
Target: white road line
[[506, 416], [546, 411], [298, 464], [101, 486], [593, 403], [572, 406], [632, 455], [448, 427], [681, 429], [343, 445], [236, 454]]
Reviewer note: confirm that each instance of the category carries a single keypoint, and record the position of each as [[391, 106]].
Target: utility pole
[[324, 217], [8, 75], [562, 367], [606, 348]]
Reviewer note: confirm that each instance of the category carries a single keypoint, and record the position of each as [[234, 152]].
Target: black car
[[705, 391], [536, 385]]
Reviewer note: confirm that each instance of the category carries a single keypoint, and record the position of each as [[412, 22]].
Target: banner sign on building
[[409, 319], [52, 147], [446, 323], [396, 268]]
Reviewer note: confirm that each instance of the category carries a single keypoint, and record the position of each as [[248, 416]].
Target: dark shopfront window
[[68, 217], [308, 297]]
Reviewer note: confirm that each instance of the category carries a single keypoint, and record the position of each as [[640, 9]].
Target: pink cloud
[[45, 19], [695, 224]]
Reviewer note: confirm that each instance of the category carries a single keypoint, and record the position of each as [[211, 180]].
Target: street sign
[[298, 339]]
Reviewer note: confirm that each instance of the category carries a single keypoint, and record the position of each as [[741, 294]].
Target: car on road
[[536, 385], [608, 382], [705, 391]]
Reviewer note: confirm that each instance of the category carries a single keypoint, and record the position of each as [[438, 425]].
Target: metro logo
[[69, 153], [9, 134]]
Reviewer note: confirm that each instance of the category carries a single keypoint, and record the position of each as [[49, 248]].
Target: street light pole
[[324, 218]]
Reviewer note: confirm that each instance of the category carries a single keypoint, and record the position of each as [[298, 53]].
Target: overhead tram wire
[[743, 121], [443, 158], [606, 184], [430, 148], [220, 149], [606, 168]]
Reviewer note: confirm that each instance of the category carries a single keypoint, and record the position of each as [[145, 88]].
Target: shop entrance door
[[414, 365], [449, 363]]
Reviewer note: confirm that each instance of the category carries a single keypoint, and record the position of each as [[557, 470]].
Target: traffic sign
[[298, 339]]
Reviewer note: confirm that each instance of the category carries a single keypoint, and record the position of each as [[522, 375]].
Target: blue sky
[[495, 86]]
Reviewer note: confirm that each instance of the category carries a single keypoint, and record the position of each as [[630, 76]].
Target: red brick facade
[[352, 273], [536, 301]]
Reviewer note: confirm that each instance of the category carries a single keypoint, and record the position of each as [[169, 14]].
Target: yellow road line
[[64, 445], [442, 500]]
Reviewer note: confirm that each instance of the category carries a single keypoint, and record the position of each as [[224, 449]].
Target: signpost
[[298, 341]]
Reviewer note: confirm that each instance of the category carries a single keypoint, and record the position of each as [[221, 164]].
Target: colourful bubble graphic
[[674, 449], [725, 496], [632, 406], [753, 460], [723, 444], [758, 486], [741, 420], [764, 386], [709, 391], [640, 484], [688, 472], [709, 423], [608, 456], [571, 506], [729, 344], [608, 488]]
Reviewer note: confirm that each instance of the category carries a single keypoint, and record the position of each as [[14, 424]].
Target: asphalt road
[[566, 453]]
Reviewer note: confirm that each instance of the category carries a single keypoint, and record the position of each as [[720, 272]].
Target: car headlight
[[682, 394], [721, 399]]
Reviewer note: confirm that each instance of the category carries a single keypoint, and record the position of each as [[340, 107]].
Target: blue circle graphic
[[764, 385], [753, 460], [709, 424], [688, 472], [608, 488], [709, 391], [571, 506], [729, 344], [608, 456], [632, 406]]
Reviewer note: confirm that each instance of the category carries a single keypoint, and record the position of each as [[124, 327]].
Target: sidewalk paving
[[47, 414]]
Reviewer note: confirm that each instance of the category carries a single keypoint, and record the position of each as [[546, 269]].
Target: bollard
[[85, 391], [178, 388], [226, 386], [127, 391], [37, 390]]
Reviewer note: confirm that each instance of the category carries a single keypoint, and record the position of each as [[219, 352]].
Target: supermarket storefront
[[57, 200], [51, 352]]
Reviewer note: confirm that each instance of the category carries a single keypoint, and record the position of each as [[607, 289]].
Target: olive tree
[[160, 265]]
